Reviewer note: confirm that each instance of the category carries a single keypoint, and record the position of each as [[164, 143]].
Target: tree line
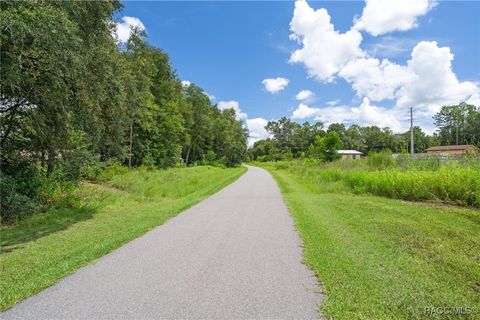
[[455, 124], [73, 98]]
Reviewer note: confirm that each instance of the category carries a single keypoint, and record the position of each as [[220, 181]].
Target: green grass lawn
[[380, 258], [46, 247]]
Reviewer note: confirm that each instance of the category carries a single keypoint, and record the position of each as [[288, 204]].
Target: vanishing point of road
[[235, 255]]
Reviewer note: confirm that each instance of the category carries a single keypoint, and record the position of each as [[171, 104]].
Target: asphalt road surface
[[235, 255]]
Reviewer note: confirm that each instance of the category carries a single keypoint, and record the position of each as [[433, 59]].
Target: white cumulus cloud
[[124, 28], [186, 83], [474, 99], [425, 82], [368, 114], [275, 85], [383, 16], [256, 128], [435, 84], [210, 96], [375, 79], [223, 105], [365, 114], [324, 50], [304, 95], [303, 112]]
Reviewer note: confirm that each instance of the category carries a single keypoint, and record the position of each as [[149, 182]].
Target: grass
[[44, 248], [451, 183], [381, 258]]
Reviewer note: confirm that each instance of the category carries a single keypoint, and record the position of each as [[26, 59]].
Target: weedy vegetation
[[456, 182]]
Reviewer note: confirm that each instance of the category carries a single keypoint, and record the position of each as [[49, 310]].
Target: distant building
[[350, 154], [453, 150]]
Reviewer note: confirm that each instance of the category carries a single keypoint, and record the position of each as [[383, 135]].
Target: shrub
[[58, 193], [380, 160], [263, 158], [282, 165], [13, 204], [112, 170]]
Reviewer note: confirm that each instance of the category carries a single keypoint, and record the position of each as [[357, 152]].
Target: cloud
[[391, 47], [425, 82], [303, 112], [434, 83], [304, 95], [381, 16], [186, 83], [275, 85], [333, 102], [474, 99], [374, 79], [210, 96], [223, 105], [124, 28], [366, 115], [256, 128], [324, 51]]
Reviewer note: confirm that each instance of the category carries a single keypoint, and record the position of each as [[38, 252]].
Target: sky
[[354, 62]]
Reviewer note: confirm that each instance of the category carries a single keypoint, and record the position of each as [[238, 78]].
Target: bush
[[13, 204], [380, 160], [57, 192], [262, 158], [27, 189], [282, 165], [112, 170]]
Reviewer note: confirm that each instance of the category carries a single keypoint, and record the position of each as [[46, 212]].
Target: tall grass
[[450, 183]]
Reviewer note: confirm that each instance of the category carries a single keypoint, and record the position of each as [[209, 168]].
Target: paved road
[[236, 255]]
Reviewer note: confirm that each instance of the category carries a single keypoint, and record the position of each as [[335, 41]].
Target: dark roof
[[454, 147]]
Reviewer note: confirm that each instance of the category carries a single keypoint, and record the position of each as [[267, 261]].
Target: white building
[[350, 154]]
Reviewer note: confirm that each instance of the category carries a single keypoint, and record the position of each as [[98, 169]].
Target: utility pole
[[411, 131]]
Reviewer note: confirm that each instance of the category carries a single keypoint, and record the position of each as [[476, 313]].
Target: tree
[[198, 124], [458, 124], [72, 96], [282, 131], [338, 128], [51, 85], [421, 140], [326, 148], [292, 137], [353, 139]]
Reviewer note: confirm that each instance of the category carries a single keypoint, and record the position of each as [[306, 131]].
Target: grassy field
[[381, 258], [44, 248], [452, 183]]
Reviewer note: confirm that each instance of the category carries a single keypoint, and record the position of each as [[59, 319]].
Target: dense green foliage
[[125, 204], [325, 148], [380, 258], [292, 140], [74, 100], [458, 124]]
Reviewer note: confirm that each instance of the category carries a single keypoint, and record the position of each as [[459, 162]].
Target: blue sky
[[229, 48]]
